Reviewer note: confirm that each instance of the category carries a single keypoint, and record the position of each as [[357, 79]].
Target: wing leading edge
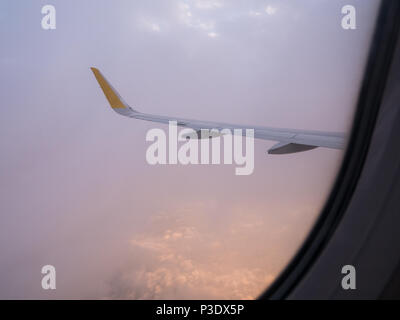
[[289, 140]]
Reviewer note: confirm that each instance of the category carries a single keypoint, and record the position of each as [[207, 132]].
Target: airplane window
[[129, 166]]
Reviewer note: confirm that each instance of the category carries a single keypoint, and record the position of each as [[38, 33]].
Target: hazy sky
[[76, 191]]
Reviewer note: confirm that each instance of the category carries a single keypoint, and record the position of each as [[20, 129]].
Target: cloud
[[255, 13], [270, 10], [208, 4], [212, 34], [150, 23], [155, 27], [191, 259], [191, 18]]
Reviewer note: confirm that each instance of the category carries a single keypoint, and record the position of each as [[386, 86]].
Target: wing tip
[[114, 99]]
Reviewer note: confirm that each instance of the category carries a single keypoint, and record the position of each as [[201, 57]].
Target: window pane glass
[[77, 191]]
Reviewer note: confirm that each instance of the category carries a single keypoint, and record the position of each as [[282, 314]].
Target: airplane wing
[[289, 140]]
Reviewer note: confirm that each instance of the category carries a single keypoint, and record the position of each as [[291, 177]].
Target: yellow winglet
[[115, 100]]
